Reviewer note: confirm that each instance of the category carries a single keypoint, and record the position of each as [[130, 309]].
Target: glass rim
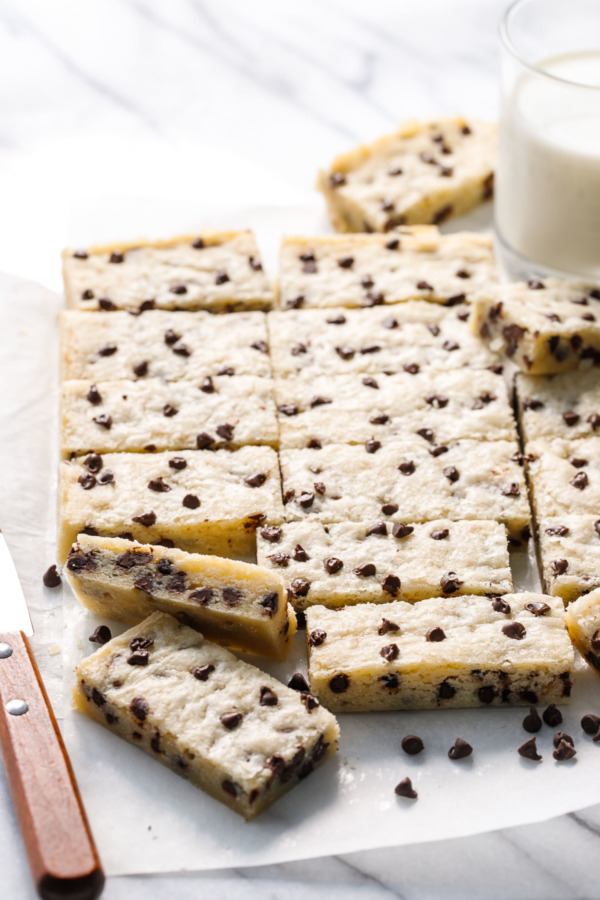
[[510, 46]]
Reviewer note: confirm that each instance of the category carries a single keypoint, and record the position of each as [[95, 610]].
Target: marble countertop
[[120, 105]]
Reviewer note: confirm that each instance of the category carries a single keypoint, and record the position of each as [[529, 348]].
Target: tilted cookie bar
[[174, 346], [368, 270], [564, 476], [412, 336], [544, 327], [565, 406], [232, 730], [201, 501], [233, 603], [439, 653], [214, 271], [407, 479], [583, 622], [374, 561], [424, 173], [569, 551], [436, 406], [115, 416]]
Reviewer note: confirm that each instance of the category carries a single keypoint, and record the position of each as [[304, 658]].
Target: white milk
[[548, 180]]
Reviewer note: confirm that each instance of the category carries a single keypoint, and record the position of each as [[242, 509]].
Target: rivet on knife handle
[[63, 859]]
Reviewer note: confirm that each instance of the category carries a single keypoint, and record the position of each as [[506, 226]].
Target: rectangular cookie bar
[[440, 653], [564, 476], [434, 405], [407, 479], [215, 271], [569, 552], [583, 622], [425, 173], [544, 327], [233, 603], [174, 346], [565, 406], [412, 336], [375, 561], [201, 501], [149, 414], [229, 728], [367, 270]]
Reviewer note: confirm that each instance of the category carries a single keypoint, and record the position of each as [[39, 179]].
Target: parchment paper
[[146, 819]]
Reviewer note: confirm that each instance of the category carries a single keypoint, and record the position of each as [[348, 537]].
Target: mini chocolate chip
[[442, 214], [171, 338], [338, 319], [232, 596], [255, 481], [528, 750], [450, 583], [380, 419], [437, 451], [316, 638], [435, 635], [388, 509], [178, 463], [345, 352], [202, 672], [580, 481], [514, 630], [407, 468], [300, 554], [534, 285], [261, 346], [387, 205], [391, 584], [372, 446], [378, 528], [452, 474], [332, 565], [268, 697], [405, 789], [299, 587], [158, 485], [87, 295], [390, 652], [386, 626], [298, 682], [288, 409], [571, 418], [204, 440], [191, 501], [460, 750], [319, 487], [595, 641], [512, 490], [401, 529], [141, 368], [590, 724], [395, 170], [181, 349], [87, 481], [486, 694], [146, 519], [169, 410], [51, 578], [140, 708], [225, 431], [271, 533], [564, 750], [202, 595], [339, 683], [346, 262], [440, 535], [255, 264], [116, 257], [532, 722], [138, 658], [449, 346], [537, 608], [412, 744], [207, 386], [104, 421], [552, 716], [311, 703], [178, 289], [366, 570], [337, 179], [559, 530], [500, 605], [371, 382], [270, 603], [231, 720], [393, 244]]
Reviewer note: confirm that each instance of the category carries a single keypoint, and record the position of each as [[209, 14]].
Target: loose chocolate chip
[[390, 652], [564, 750], [271, 533], [460, 750], [255, 481], [528, 750], [231, 720], [339, 683], [580, 481], [537, 608], [407, 468], [316, 638], [532, 722], [366, 570], [590, 724], [268, 697], [401, 529], [158, 485], [435, 635], [571, 418], [405, 789], [51, 578], [552, 716], [332, 565], [101, 635], [299, 587], [562, 736], [87, 481], [391, 584], [300, 554], [501, 606], [178, 289], [452, 474], [387, 626], [450, 583], [146, 519], [512, 490], [514, 630], [138, 658], [103, 421], [412, 744]]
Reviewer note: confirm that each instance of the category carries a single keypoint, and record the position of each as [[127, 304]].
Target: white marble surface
[[114, 109]]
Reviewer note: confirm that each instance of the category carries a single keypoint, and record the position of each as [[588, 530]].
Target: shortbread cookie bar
[[216, 271], [424, 173], [409, 337], [436, 406], [564, 476], [369, 270], [569, 549], [201, 501], [111, 416], [174, 346], [583, 622], [233, 603], [441, 652], [407, 479], [374, 560], [544, 327], [232, 730], [566, 406]]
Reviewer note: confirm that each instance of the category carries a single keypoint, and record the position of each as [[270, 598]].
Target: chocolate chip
[[202, 595], [319, 487], [407, 468], [138, 658], [452, 474], [437, 451], [299, 587], [380, 419], [231, 720], [590, 724], [345, 352], [552, 716], [232, 596], [440, 535], [534, 285], [564, 749], [332, 565], [371, 382], [528, 750], [268, 697], [391, 585], [339, 683], [512, 490], [537, 608], [514, 630], [395, 170], [388, 509], [401, 529], [577, 462], [298, 682], [450, 583], [390, 652], [532, 722], [387, 205], [486, 694], [191, 501], [594, 420], [460, 750], [436, 401], [225, 431], [207, 386], [270, 603], [202, 672], [87, 295], [442, 214], [300, 554], [271, 533], [255, 481], [412, 744], [140, 708], [255, 264], [387, 626], [393, 244], [204, 440], [51, 578], [405, 789], [288, 409], [87, 481], [178, 289], [261, 346], [501, 606], [337, 179], [181, 349], [146, 519], [435, 635], [316, 638], [178, 463], [571, 418], [595, 641], [372, 446], [103, 421], [580, 481], [169, 410], [158, 485], [366, 570]]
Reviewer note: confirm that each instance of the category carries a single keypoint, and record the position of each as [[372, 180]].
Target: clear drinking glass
[[548, 176]]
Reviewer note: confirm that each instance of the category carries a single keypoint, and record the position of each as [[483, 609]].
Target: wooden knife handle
[[63, 859]]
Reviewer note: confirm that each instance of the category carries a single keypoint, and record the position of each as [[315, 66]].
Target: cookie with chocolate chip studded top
[[425, 173], [565, 406], [229, 728], [564, 476]]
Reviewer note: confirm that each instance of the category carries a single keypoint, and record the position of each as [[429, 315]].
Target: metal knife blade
[[14, 615]]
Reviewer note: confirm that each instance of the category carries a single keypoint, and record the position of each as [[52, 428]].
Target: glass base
[[514, 267]]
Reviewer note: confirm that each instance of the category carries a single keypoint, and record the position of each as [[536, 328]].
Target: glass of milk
[[548, 174]]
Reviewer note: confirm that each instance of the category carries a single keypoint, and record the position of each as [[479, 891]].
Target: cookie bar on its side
[[375, 561], [544, 327], [202, 501], [117, 416], [565, 406], [583, 622], [441, 652], [233, 603], [564, 476], [215, 271], [370, 270], [229, 728], [425, 173], [569, 551]]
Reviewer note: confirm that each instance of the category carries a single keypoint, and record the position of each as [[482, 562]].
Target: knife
[[59, 844]]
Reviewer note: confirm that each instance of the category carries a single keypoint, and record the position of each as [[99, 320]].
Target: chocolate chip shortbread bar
[[370, 270], [435, 406], [174, 346], [232, 730], [407, 479], [376, 561], [441, 652], [564, 476], [424, 173], [544, 327], [111, 416], [233, 603], [566, 406], [583, 622], [202, 501], [569, 551], [216, 271]]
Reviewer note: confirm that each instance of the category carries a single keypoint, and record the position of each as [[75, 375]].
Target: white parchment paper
[[146, 819]]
